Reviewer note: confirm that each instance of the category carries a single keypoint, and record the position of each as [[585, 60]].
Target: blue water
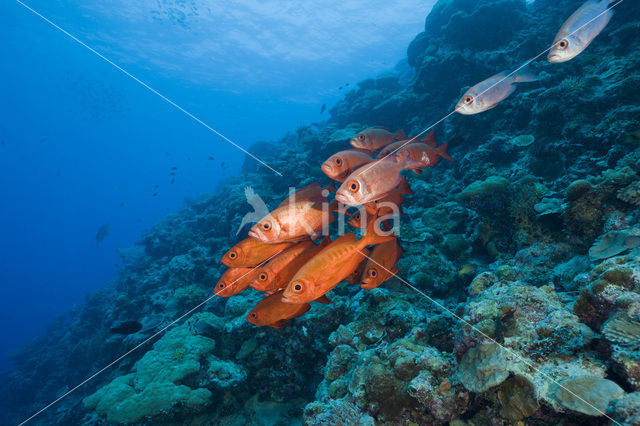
[[82, 144]]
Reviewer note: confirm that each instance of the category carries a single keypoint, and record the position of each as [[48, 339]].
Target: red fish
[[299, 220], [251, 252], [380, 267], [276, 274], [423, 154], [375, 138], [272, 311], [333, 264], [234, 280], [371, 182], [343, 163]]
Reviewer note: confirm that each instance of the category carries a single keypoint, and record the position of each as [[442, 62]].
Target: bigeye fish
[[295, 221], [490, 92], [343, 163], [234, 281], [333, 264], [418, 155], [429, 138], [375, 138], [371, 182], [272, 311], [381, 264], [277, 273], [579, 30], [251, 252]]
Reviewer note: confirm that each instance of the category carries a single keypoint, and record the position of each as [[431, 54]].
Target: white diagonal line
[[151, 89], [512, 73], [144, 342], [514, 354]]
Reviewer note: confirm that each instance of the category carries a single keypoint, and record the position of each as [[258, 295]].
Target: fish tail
[[400, 134], [442, 151], [374, 234], [523, 75]]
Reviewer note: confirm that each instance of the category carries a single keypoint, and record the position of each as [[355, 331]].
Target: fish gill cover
[[541, 328]]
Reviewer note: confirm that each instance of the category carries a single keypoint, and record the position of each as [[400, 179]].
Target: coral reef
[[521, 256]]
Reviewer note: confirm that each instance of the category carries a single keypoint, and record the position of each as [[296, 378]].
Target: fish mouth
[[327, 169], [286, 299], [554, 58], [257, 236], [341, 198]]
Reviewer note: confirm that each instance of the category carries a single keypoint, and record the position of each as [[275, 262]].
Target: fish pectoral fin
[[279, 324], [417, 171], [323, 299]]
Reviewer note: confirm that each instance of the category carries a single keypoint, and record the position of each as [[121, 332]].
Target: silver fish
[[490, 92], [580, 30]]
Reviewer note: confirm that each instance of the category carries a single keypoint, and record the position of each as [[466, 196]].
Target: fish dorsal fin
[[380, 127]]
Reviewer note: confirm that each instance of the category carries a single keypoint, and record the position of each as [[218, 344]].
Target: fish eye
[[297, 287], [563, 44], [232, 255], [354, 186], [262, 276], [468, 100], [361, 136], [266, 226], [338, 161], [253, 314], [373, 273], [221, 285], [357, 216]]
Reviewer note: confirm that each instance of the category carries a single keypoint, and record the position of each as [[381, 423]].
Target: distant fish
[[155, 194], [172, 174], [156, 186], [127, 327], [376, 137], [122, 204], [211, 158], [173, 181], [103, 231], [222, 164], [467, 269], [323, 108], [490, 92], [579, 30], [174, 168]]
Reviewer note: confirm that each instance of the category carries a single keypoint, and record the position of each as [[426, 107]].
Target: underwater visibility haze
[[423, 212]]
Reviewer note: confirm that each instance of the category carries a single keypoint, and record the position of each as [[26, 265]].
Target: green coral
[[484, 188], [154, 385]]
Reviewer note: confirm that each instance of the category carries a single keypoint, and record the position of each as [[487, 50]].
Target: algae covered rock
[[483, 367], [586, 394], [517, 396]]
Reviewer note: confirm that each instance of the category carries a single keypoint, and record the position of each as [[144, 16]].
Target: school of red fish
[[281, 257]]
